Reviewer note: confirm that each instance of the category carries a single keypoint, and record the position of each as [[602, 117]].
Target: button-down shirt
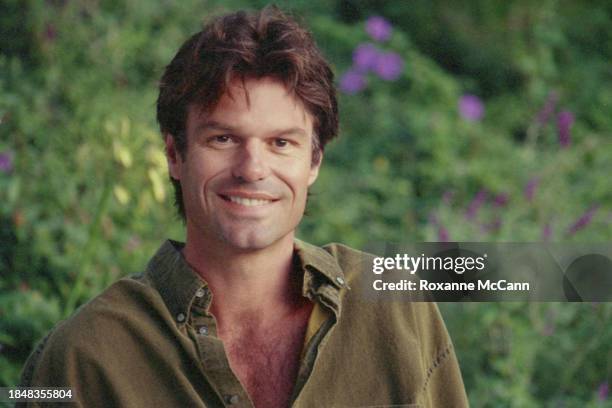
[[150, 340]]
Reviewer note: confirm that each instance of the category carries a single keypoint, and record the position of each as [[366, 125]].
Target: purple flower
[[6, 162], [500, 200], [443, 235], [352, 82], [583, 221], [493, 226], [565, 120], [133, 243], [603, 391], [550, 318], [365, 57], [447, 197], [549, 329], [531, 188], [389, 66], [50, 32], [378, 28], [548, 109], [475, 205], [547, 232], [471, 107]]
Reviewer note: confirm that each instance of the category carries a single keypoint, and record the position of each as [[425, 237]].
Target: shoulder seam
[[28, 372], [435, 364], [346, 247]]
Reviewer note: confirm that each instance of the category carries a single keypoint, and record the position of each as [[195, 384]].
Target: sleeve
[[60, 361], [32, 362], [443, 385]]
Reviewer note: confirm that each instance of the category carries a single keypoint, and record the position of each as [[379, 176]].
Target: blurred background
[[483, 120]]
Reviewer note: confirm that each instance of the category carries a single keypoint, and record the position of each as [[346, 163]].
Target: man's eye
[[222, 139], [281, 142]]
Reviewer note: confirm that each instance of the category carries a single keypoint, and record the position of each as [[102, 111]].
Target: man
[[243, 314]]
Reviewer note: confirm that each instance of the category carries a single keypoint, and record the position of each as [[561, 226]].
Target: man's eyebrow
[[214, 125], [291, 131]]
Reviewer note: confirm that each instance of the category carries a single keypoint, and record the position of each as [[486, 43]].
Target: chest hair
[[266, 361]]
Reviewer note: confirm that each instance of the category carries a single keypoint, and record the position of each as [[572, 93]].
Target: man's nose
[[251, 164]]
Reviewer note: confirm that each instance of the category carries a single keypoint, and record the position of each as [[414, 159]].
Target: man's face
[[248, 166]]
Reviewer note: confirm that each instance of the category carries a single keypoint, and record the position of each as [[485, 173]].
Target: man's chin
[[251, 241]]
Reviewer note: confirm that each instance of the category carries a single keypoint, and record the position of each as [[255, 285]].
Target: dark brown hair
[[241, 45]]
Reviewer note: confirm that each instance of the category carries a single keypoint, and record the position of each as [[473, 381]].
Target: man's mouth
[[247, 202]]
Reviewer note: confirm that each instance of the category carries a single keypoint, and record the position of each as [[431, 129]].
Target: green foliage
[[87, 199], [532, 355]]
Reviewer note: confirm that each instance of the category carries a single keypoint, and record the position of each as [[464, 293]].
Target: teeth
[[249, 202]]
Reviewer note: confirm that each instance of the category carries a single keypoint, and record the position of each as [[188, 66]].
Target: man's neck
[[250, 283]]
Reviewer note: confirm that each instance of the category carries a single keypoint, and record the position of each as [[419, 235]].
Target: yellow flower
[[122, 154], [381, 164], [159, 190], [121, 194]]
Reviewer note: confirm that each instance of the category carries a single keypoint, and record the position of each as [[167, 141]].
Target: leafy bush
[[485, 121]]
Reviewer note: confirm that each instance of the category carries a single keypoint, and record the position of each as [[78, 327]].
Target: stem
[[94, 230]]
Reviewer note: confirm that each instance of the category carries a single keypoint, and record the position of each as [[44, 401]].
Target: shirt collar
[[178, 283], [318, 260], [174, 279]]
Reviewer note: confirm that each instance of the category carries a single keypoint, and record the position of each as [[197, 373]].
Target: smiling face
[[247, 168]]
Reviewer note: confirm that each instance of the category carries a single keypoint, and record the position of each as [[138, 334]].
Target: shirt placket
[[328, 296], [213, 356]]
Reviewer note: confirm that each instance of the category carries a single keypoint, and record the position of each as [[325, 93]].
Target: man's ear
[[173, 157], [314, 168]]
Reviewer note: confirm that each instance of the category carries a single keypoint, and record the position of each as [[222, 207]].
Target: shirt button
[[180, 317], [200, 293], [232, 399], [203, 330], [340, 280]]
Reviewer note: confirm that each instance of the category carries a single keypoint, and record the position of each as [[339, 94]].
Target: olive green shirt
[[150, 341]]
